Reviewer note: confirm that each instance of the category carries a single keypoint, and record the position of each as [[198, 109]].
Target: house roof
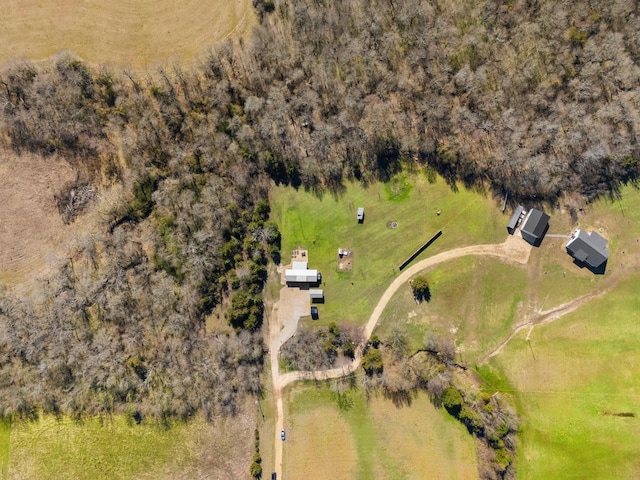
[[535, 223], [589, 248]]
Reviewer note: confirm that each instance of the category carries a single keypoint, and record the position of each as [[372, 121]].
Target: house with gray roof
[[535, 226], [588, 250]]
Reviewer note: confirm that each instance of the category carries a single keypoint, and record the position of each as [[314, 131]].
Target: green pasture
[[117, 449], [576, 384], [5, 438], [474, 300], [352, 438], [324, 223]]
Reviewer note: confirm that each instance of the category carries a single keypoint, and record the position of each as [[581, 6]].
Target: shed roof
[[299, 265], [535, 223], [515, 217]]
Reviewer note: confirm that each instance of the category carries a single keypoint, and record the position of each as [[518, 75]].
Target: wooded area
[[536, 98]]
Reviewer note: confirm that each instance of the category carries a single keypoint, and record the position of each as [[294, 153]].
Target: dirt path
[[548, 316], [284, 322]]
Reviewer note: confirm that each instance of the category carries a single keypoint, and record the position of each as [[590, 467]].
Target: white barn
[[301, 276]]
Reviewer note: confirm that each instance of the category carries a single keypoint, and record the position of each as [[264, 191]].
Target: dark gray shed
[[513, 222], [535, 226]]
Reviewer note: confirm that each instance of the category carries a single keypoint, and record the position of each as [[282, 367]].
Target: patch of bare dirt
[[345, 261], [31, 228]]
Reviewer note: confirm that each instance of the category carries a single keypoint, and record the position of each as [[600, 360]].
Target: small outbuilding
[[299, 265], [588, 250], [515, 219], [316, 295], [360, 215], [535, 226]]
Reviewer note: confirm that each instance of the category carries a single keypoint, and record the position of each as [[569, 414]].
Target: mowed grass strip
[[372, 440], [474, 300], [124, 32], [576, 385], [322, 224]]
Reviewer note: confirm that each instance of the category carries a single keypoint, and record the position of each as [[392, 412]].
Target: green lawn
[[5, 438], [372, 440], [474, 300], [322, 224], [575, 383], [585, 372], [115, 449], [52, 449]]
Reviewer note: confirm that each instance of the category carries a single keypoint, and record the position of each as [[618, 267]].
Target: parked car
[[273, 476], [314, 312], [360, 214], [282, 435]]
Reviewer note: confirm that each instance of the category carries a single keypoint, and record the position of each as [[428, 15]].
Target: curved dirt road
[[514, 249]]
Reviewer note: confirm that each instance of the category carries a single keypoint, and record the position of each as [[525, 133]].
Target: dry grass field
[[31, 229], [372, 439], [140, 33]]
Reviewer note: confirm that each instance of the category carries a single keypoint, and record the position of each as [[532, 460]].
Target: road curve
[[514, 249]]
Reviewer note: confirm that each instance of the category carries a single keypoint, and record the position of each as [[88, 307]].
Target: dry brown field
[[140, 33]]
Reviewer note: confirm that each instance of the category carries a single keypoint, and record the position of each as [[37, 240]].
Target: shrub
[[372, 361], [452, 401], [420, 287]]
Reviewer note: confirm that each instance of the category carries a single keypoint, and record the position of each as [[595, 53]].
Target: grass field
[[576, 381], [324, 224], [32, 229], [122, 32], [373, 440], [586, 371], [5, 439], [51, 449], [474, 300]]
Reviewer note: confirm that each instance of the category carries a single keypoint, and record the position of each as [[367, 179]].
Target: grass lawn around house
[[578, 397], [322, 224], [371, 440], [574, 383], [474, 300]]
